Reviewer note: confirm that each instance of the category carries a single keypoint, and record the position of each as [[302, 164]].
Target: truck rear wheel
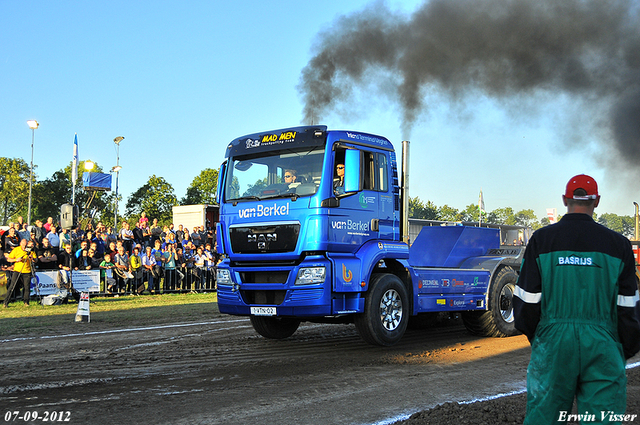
[[274, 327], [386, 311], [498, 320]]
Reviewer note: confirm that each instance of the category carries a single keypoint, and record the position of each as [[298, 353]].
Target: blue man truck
[[314, 227]]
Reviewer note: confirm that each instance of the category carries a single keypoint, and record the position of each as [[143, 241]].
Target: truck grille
[[263, 297]]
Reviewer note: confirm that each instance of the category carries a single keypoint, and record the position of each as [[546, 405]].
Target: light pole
[[117, 169], [33, 124]]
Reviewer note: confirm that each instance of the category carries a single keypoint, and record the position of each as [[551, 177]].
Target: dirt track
[[218, 371]]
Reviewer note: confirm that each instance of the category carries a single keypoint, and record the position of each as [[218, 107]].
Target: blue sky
[[179, 80]]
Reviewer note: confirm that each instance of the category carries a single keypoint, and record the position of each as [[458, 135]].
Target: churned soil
[[506, 410]]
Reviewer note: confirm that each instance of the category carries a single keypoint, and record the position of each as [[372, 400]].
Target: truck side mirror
[[352, 170], [222, 172]]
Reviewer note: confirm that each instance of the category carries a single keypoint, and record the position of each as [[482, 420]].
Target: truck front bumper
[[277, 286]]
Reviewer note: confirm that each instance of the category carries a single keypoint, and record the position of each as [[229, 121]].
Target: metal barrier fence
[[49, 282]]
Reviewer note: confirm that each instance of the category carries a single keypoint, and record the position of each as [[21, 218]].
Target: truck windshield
[[284, 173]]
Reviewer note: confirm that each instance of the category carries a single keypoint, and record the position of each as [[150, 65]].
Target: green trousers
[[575, 359]]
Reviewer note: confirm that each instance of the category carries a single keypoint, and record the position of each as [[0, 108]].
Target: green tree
[[447, 213], [421, 210], [502, 216], [618, 223], [156, 198], [470, 213], [51, 193], [14, 188], [526, 218], [202, 189]]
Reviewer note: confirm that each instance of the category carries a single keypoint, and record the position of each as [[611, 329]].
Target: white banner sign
[[83, 281]]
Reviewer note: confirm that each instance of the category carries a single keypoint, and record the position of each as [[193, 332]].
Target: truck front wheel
[[498, 319], [386, 311], [274, 327]]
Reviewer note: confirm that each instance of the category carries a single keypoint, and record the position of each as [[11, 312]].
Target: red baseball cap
[[582, 181]]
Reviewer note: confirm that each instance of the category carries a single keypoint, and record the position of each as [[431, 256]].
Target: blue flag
[[74, 167]]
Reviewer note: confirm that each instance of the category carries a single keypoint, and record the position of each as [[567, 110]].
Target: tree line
[[157, 196], [429, 211]]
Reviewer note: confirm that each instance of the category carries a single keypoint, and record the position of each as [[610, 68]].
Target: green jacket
[[579, 271]]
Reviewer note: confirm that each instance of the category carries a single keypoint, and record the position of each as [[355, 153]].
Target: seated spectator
[[47, 256]]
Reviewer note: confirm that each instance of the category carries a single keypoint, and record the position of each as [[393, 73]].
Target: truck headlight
[[310, 275], [223, 277]]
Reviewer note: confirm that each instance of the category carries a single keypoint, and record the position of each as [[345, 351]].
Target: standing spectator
[[65, 238], [180, 269], [101, 243], [146, 235], [188, 256], [143, 219], [121, 262], [67, 262], [195, 237], [126, 236], [156, 231], [576, 300], [107, 277], [138, 234], [203, 236], [111, 236], [48, 224], [39, 233], [83, 247], [136, 269], [111, 250], [169, 261], [53, 237], [84, 261], [100, 228], [22, 257], [93, 257], [170, 240], [210, 266], [77, 235], [180, 235], [23, 232], [200, 269], [149, 265], [186, 238], [11, 239]]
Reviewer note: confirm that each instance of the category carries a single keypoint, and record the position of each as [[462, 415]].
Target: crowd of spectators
[[147, 258]]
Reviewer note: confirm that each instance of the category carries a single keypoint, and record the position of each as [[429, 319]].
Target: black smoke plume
[[503, 49]]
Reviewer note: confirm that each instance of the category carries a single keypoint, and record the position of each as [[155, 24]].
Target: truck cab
[[311, 229]]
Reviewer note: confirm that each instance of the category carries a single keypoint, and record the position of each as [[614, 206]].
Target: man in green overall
[[577, 302]]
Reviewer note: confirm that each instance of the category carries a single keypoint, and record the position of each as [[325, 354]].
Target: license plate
[[263, 311]]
